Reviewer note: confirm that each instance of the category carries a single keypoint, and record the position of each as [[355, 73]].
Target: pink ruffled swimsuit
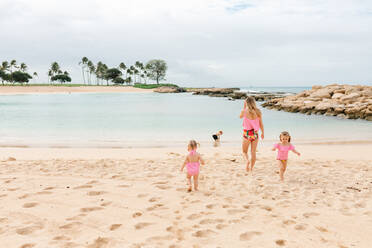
[[193, 167]]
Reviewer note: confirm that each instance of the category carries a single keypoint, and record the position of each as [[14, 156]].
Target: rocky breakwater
[[346, 101], [234, 93], [169, 89]]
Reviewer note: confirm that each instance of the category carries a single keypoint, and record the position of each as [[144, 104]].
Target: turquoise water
[[150, 119]]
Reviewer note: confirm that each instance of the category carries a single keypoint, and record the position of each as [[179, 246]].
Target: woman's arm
[[262, 128], [241, 114]]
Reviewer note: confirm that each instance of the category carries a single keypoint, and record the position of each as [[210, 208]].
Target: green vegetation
[[152, 86], [9, 75], [139, 73]]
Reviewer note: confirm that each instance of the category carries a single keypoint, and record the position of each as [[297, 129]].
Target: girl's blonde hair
[[251, 106], [193, 144], [285, 133]]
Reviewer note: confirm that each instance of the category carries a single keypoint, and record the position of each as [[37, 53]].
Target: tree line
[[92, 73], [122, 74]]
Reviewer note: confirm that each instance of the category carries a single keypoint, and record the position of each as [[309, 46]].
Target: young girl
[[252, 123], [283, 148], [192, 163]]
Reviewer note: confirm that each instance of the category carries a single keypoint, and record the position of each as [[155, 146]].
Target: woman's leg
[[245, 146], [253, 152]]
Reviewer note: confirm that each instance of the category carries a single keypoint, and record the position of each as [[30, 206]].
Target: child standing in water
[[252, 123], [283, 148], [192, 163]]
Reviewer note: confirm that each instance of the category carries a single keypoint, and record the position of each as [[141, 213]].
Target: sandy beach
[[137, 198], [18, 90]]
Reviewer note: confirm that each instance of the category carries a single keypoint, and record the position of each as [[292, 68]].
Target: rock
[[11, 159], [322, 93], [169, 89], [337, 95], [350, 96], [345, 101]]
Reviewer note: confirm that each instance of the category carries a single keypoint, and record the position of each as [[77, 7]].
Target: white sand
[[137, 198], [15, 90]]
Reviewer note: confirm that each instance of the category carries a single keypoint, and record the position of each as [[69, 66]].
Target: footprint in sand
[[204, 233], [156, 206], [300, 227], [211, 221], [61, 238], [163, 187], [90, 209], [83, 187], [142, 195], [221, 226], [99, 243], [113, 227], [92, 182], [105, 204], [154, 199], [311, 214], [28, 245], [235, 211], [159, 238], [194, 216], [94, 193], [280, 242], [44, 193], [142, 225], [48, 188], [289, 222], [248, 235], [71, 225], [322, 229], [28, 230], [30, 205], [136, 214], [3, 195]]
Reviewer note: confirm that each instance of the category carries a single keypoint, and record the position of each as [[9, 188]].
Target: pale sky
[[204, 42]]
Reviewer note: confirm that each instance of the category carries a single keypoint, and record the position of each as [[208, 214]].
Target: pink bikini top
[[193, 152], [249, 124]]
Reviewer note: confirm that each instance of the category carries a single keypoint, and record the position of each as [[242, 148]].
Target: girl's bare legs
[[253, 152], [282, 168], [189, 183], [196, 181], [245, 146]]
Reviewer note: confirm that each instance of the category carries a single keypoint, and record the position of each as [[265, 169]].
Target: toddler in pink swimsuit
[[192, 163], [283, 148]]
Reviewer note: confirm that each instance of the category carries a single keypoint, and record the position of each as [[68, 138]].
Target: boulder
[[350, 96], [337, 95], [322, 93], [169, 89]]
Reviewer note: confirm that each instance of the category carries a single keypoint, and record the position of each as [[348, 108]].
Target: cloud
[[265, 42]]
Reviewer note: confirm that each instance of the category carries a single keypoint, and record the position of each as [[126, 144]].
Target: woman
[[252, 123]]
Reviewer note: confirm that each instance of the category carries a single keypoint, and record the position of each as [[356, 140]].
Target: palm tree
[[23, 67], [83, 63], [98, 72], [123, 67], [35, 75], [55, 68], [89, 69], [136, 72], [5, 65], [50, 74], [13, 63]]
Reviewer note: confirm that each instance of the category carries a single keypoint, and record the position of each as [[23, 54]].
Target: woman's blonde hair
[[251, 106], [285, 133], [193, 144]]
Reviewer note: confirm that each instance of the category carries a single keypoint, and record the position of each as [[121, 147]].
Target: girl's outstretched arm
[[201, 160], [294, 150], [184, 163]]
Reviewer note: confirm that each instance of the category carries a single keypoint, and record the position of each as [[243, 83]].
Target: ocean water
[[151, 119]]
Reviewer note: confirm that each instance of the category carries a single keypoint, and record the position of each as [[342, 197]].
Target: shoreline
[[29, 89]]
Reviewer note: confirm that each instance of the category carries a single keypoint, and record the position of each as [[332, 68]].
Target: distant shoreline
[[48, 89]]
